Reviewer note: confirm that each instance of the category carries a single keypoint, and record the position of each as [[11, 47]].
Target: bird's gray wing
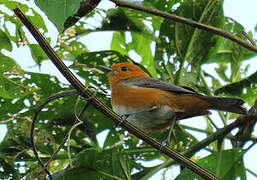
[[147, 82]]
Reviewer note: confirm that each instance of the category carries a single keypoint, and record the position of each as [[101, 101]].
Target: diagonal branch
[[183, 20], [105, 110]]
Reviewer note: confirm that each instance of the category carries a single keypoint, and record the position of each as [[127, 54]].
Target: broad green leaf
[[11, 78], [35, 17], [119, 43], [193, 45], [221, 70], [236, 88], [232, 52], [5, 42], [70, 50], [229, 51], [58, 11], [98, 163], [129, 20], [142, 46], [231, 166], [37, 53]]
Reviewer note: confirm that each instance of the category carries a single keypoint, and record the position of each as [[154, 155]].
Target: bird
[[152, 105]]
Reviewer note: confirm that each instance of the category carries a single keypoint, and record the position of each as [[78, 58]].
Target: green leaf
[[231, 166], [142, 46], [93, 163], [35, 17], [7, 168], [120, 20], [236, 88], [58, 11], [37, 53], [229, 51], [119, 43], [5, 42], [10, 78], [221, 70], [193, 44]]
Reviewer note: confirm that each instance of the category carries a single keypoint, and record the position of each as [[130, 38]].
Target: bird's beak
[[107, 68]]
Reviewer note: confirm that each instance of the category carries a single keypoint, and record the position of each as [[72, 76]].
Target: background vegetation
[[168, 50]]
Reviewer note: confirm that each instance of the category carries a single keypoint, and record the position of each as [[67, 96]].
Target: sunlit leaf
[[63, 8], [5, 41]]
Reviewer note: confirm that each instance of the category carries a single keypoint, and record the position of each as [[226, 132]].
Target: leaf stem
[[250, 171]]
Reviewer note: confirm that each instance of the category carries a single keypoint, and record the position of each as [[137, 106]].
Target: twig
[[51, 98], [185, 21], [250, 171], [105, 110], [65, 138], [77, 123], [249, 38]]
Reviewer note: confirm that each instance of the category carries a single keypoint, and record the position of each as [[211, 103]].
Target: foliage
[[168, 50]]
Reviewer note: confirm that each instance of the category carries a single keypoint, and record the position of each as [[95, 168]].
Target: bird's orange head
[[122, 71]]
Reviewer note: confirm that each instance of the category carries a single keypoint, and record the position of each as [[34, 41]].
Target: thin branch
[[33, 124], [185, 21], [250, 171], [105, 110], [249, 38], [65, 138]]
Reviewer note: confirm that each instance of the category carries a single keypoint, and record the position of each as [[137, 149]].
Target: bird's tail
[[233, 105]]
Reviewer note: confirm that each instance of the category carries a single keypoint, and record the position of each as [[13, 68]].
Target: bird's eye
[[124, 68]]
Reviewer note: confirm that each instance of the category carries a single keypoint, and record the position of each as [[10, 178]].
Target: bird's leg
[[167, 141], [125, 116]]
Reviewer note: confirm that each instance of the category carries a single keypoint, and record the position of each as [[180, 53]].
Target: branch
[[105, 110], [249, 38], [183, 20], [33, 124], [246, 129]]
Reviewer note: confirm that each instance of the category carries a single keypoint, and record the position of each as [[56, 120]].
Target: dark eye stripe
[[124, 68]]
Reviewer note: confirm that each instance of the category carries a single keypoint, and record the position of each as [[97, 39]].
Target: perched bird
[[152, 104]]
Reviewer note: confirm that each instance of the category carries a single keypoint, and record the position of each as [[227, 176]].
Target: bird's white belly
[[146, 118]]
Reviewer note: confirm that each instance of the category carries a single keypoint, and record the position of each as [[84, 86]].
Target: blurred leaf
[[233, 53], [70, 50], [236, 88], [119, 43], [191, 43], [11, 75], [7, 168], [58, 11], [142, 46], [92, 163], [231, 166], [221, 70], [37, 53], [5, 41], [122, 20], [34, 16]]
